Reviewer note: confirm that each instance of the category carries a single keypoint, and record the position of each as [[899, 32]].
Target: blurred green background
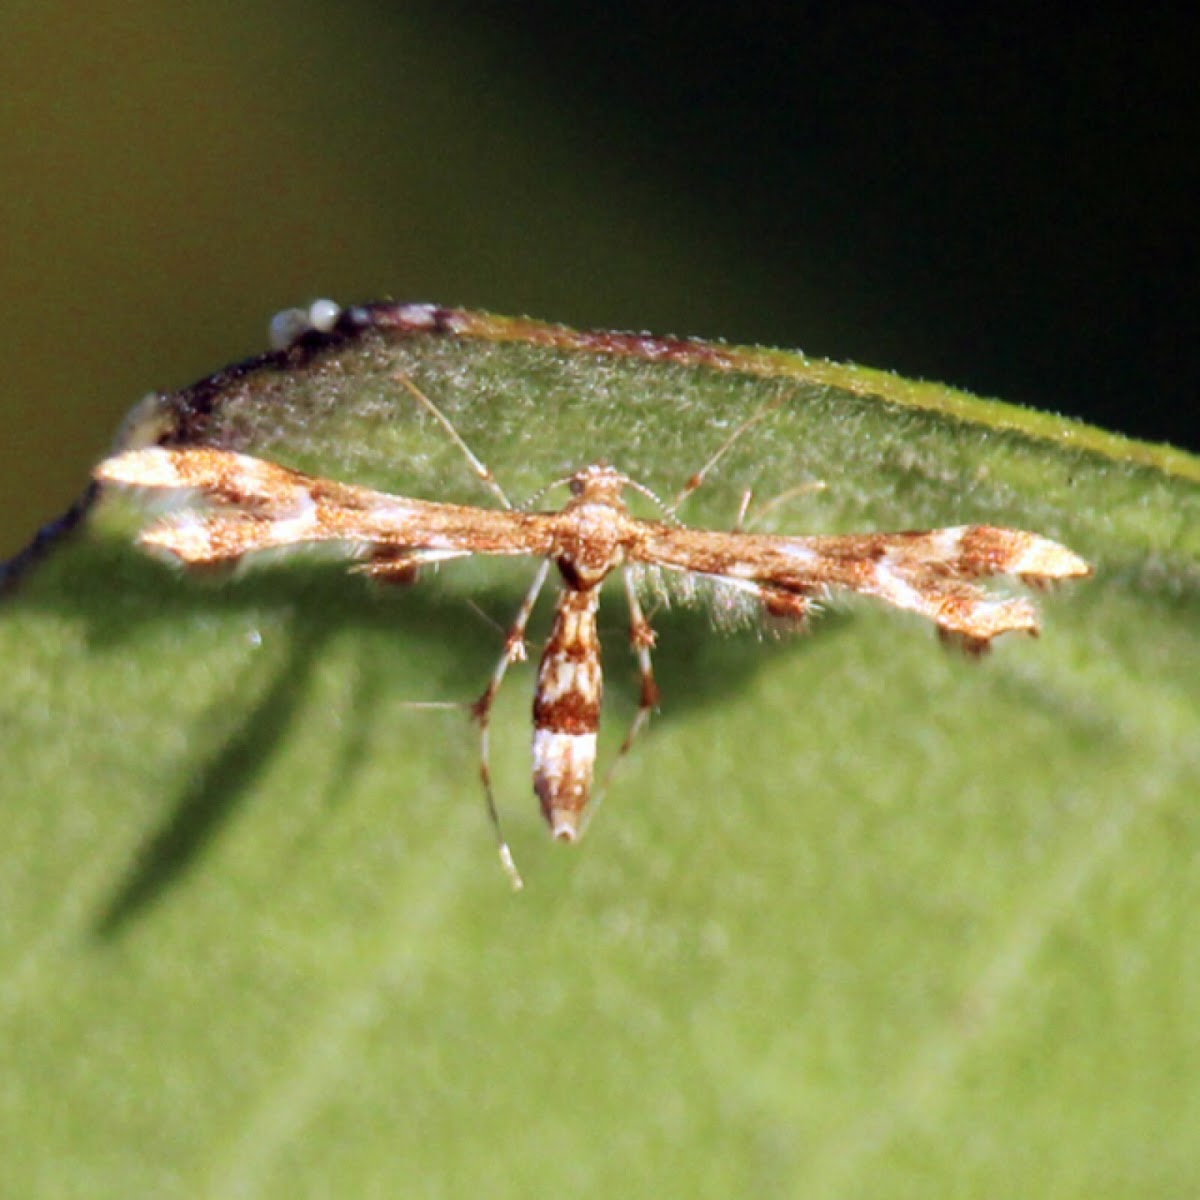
[[1005, 208]]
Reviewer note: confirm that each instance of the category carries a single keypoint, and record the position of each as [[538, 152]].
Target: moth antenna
[[546, 487]]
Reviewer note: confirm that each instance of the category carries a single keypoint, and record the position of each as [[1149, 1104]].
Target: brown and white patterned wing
[[931, 572], [248, 504]]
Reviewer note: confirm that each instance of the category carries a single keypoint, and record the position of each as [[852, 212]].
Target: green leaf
[[859, 917]]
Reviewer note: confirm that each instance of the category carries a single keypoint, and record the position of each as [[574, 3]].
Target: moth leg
[[514, 651], [696, 481], [481, 469], [745, 522], [641, 639], [739, 523]]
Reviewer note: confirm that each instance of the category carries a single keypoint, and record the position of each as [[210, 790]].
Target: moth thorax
[[590, 544]]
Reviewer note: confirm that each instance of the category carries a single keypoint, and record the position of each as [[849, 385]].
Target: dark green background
[[1000, 204]]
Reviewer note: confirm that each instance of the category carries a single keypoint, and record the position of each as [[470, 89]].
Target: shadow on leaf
[[313, 601]]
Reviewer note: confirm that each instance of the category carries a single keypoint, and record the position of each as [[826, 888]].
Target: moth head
[[599, 482]]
